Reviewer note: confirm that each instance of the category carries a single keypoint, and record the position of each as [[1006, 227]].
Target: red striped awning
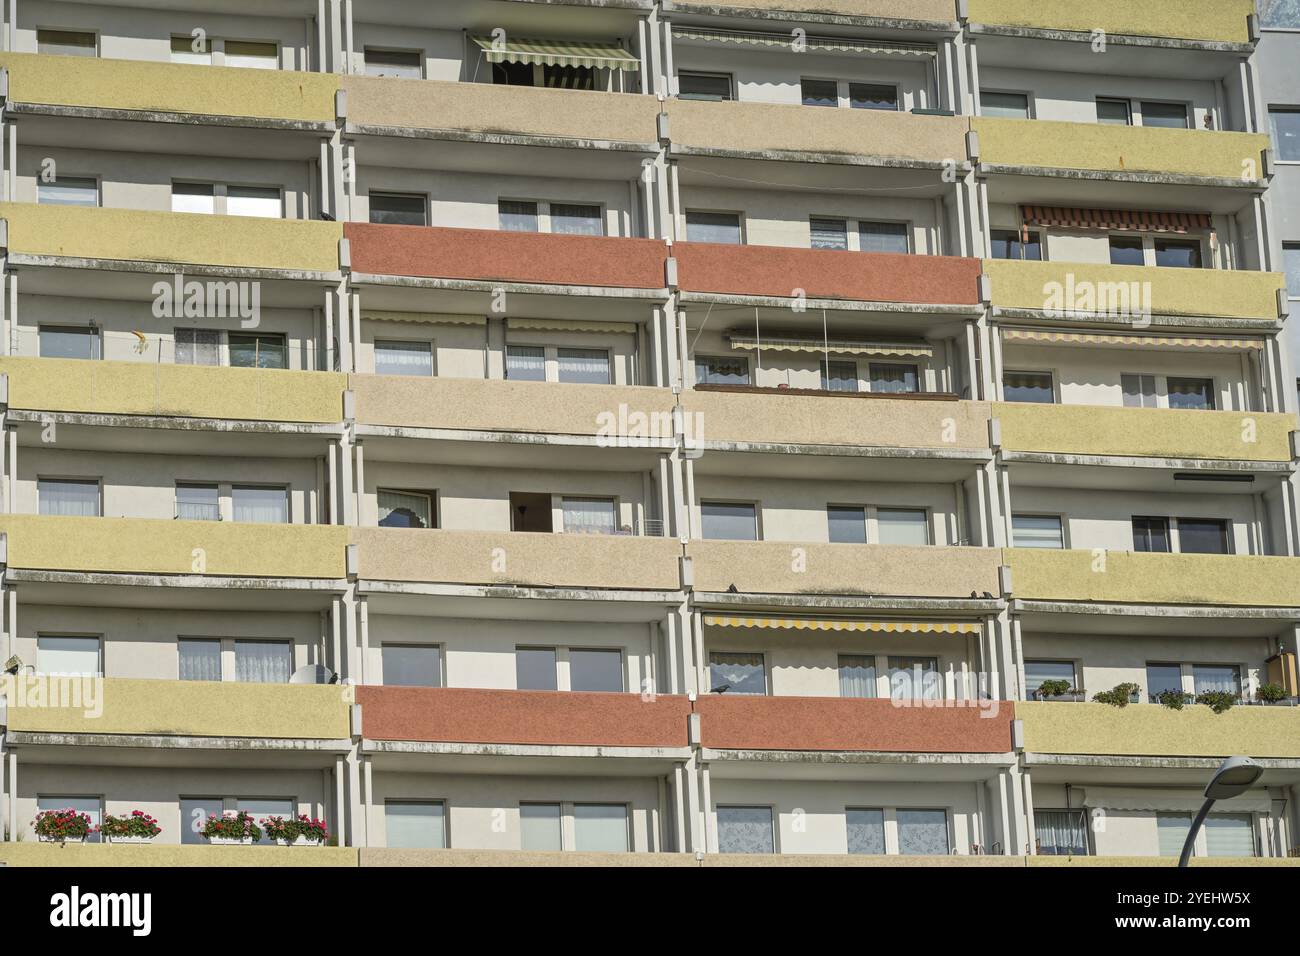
[[1117, 220]]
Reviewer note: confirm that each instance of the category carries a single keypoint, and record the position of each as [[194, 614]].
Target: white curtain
[[261, 505], [198, 347], [830, 234], [79, 498], [263, 662], [857, 677], [590, 366], [403, 358], [575, 220], [526, 363], [1230, 834], [517, 216], [588, 516], [600, 828], [200, 659], [1209, 678], [903, 526], [197, 503], [400, 510], [1061, 832]]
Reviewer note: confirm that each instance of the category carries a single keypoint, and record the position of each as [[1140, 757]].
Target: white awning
[[785, 343], [437, 318], [810, 44], [1123, 798], [558, 53], [815, 624], [573, 325]]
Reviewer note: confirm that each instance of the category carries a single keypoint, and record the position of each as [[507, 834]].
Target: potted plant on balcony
[[136, 827], [1057, 690], [231, 828], [1121, 695], [62, 826], [1218, 701], [301, 830], [1273, 695], [1174, 699]]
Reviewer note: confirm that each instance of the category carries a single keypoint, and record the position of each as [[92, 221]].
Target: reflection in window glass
[[589, 366], [596, 669], [526, 363], [1034, 387], [1230, 834], [68, 191], [404, 509], [1127, 251], [589, 515], [721, 370], [883, 237], [848, 525], [830, 234], [858, 676], [196, 502], [576, 220], [819, 92], [893, 378], [1151, 534], [63, 654], [1037, 531], [1038, 671], [1168, 115], [68, 497], [399, 209], [729, 521], [403, 64], [840, 376], [1163, 677], [69, 342], [1178, 253], [412, 665], [1013, 244], [264, 505], [704, 86], [906, 526], [1195, 393], [736, 673], [535, 668], [914, 678], [720, 227], [517, 216], [873, 96], [1004, 105], [395, 357], [1286, 133]]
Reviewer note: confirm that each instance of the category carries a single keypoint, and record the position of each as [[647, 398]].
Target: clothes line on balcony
[[1116, 220], [558, 53], [790, 343], [811, 44], [572, 325], [807, 624], [1127, 341]]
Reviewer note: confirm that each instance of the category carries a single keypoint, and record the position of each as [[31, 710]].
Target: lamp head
[[1234, 777]]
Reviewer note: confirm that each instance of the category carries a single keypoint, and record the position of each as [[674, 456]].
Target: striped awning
[[1119, 340], [805, 624], [573, 325], [558, 53], [1116, 220], [785, 343], [811, 44], [438, 318]]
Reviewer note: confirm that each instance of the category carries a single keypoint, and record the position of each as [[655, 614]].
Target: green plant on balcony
[[60, 826], [231, 828], [1121, 695], [136, 827], [301, 830], [1174, 699], [1217, 700], [1053, 688], [1271, 693]]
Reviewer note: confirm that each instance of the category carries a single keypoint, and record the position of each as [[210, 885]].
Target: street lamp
[[1234, 777]]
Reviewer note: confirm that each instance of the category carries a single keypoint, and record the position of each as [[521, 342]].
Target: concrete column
[[670, 628], [360, 490], [694, 808], [348, 510], [363, 621], [368, 798], [677, 803], [356, 825], [710, 820], [13, 796], [351, 646]]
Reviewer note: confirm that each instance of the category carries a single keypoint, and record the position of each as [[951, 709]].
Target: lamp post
[[1234, 777]]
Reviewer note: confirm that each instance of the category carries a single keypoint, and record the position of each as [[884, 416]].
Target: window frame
[[422, 197], [711, 74], [95, 178], [1030, 104], [418, 53], [1060, 519], [437, 648], [758, 516]]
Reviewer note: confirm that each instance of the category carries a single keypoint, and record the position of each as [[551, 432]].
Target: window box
[[300, 830], [135, 827], [64, 825], [231, 828]]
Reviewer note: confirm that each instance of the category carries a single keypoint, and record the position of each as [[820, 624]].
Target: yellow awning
[[804, 624], [558, 53], [573, 325], [1119, 340]]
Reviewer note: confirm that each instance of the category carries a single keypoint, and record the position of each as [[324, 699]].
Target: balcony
[[621, 562], [488, 255], [840, 724], [1145, 432], [776, 567], [1154, 730], [173, 391], [1121, 577], [826, 274], [542, 718], [130, 235], [1129, 293], [140, 87], [152, 546], [920, 11], [1221, 21], [193, 709], [1049, 145]]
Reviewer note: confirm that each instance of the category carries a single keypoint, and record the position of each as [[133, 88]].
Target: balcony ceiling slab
[[396, 756], [498, 153], [123, 282], [1065, 52], [139, 435], [837, 462], [1146, 772], [480, 297], [504, 603], [1063, 618], [1127, 474], [160, 752], [801, 173], [929, 608], [1102, 190], [173, 592], [768, 765], [504, 450]]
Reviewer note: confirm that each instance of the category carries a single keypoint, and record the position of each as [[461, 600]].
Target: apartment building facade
[[654, 426]]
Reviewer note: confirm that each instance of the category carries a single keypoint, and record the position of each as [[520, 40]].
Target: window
[[734, 673], [720, 227], [405, 64], [515, 215], [526, 363], [729, 521], [1013, 244], [1038, 671], [195, 502], [858, 676], [839, 376], [909, 526], [260, 504], [1151, 535], [1061, 832], [92, 807], [68, 191], [829, 233], [1127, 251], [513, 74], [1196, 393], [62, 654], [399, 209], [873, 96], [200, 658], [1178, 253], [194, 197], [1279, 14], [68, 496], [412, 665], [194, 814], [1037, 531], [1034, 387], [1230, 834], [1114, 112], [745, 830], [848, 524], [1286, 133], [893, 378], [820, 92], [405, 509], [600, 828], [923, 833], [866, 831], [589, 515], [1162, 678], [262, 201], [412, 825], [198, 347], [540, 827], [1216, 678], [535, 668], [1167, 115], [574, 219], [1139, 390], [914, 678], [883, 237], [252, 55], [584, 366], [66, 42], [403, 357], [61, 341], [257, 350], [190, 49], [1172, 830], [596, 669], [704, 86], [721, 370], [260, 809], [1004, 105], [1291, 263], [263, 662]]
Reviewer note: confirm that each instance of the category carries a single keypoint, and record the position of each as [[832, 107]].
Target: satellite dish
[[312, 674]]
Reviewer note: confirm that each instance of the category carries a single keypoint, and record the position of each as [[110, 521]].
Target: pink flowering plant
[[290, 829], [61, 825], [137, 823], [231, 826]]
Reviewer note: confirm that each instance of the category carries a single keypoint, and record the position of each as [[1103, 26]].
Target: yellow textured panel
[[170, 87], [1216, 20]]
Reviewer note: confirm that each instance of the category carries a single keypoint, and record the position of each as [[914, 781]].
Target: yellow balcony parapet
[[1093, 147], [939, 11], [1222, 21], [1129, 293], [120, 706], [180, 391], [1153, 730], [133, 235], [142, 86], [157, 546], [1122, 577], [1145, 432]]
